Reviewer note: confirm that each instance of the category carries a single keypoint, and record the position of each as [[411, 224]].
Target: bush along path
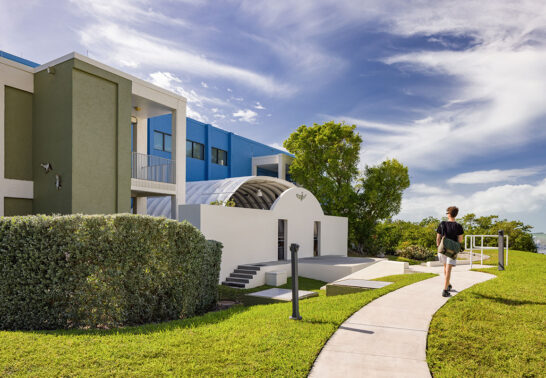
[[241, 341], [496, 328], [388, 337]]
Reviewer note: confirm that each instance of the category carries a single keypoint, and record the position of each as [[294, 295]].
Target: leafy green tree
[[326, 163], [378, 196]]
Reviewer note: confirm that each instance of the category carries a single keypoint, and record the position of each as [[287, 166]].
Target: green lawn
[[497, 328], [244, 340]]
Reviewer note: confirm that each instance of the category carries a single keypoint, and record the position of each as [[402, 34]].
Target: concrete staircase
[[241, 276]]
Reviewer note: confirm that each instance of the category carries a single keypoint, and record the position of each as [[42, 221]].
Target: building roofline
[[115, 71]]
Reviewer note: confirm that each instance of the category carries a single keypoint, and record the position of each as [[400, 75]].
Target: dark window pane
[[222, 157], [198, 151], [167, 143], [158, 140], [214, 155], [188, 148]]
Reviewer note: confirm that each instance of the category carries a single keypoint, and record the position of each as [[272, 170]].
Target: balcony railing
[[152, 168]]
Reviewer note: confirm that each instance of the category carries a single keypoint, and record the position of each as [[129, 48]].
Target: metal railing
[[470, 245], [152, 168]]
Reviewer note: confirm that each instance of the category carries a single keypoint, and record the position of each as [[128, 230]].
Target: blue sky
[[454, 90]]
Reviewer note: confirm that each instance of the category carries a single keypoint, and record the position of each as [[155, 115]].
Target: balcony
[[152, 175]]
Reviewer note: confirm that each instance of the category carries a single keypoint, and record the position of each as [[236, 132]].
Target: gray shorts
[[446, 260]]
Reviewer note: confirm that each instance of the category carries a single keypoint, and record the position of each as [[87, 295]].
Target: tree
[[326, 163], [378, 196]]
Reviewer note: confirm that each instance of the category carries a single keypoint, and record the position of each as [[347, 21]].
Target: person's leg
[[448, 268]]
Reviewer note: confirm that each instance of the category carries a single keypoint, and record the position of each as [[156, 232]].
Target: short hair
[[453, 211]]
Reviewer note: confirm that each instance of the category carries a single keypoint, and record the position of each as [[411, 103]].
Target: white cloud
[[504, 200], [246, 115], [126, 47], [239, 99], [204, 85], [425, 189], [131, 11], [278, 146], [494, 175], [229, 90], [214, 110], [219, 116], [259, 106]]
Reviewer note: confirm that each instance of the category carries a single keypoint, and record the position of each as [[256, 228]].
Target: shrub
[[103, 271], [415, 252]]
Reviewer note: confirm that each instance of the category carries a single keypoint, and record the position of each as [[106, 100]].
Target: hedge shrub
[[103, 271], [415, 252]]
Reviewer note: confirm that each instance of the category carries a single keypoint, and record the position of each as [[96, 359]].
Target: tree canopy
[[326, 163]]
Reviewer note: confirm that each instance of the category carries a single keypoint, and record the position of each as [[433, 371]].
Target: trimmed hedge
[[103, 271]]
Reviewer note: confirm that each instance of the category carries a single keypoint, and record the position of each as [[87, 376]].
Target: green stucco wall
[[17, 206], [18, 134], [82, 121], [52, 139]]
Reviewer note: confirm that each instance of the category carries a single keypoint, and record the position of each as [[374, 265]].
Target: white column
[[142, 136], [141, 146], [2, 146], [281, 167], [179, 156], [141, 204]]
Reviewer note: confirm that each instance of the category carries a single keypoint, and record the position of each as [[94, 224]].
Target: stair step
[[241, 275], [249, 267], [234, 284], [236, 279], [244, 271]]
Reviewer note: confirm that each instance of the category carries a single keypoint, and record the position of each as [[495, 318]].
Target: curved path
[[388, 337]]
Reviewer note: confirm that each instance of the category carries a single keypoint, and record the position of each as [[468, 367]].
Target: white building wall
[[18, 76], [250, 236]]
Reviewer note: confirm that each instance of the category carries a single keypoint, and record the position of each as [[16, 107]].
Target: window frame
[[215, 154], [191, 154], [164, 136]]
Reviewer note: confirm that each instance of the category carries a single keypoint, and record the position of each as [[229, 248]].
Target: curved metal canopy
[[254, 192]]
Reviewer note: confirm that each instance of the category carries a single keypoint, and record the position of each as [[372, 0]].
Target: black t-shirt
[[453, 230]]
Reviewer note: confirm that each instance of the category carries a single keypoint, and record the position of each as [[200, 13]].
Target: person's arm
[[460, 238], [438, 239]]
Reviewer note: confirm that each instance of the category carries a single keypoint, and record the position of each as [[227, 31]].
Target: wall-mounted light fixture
[[47, 167], [58, 183], [138, 108], [259, 193], [51, 70]]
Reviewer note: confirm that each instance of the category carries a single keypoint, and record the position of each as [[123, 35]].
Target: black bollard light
[[295, 291], [501, 250]]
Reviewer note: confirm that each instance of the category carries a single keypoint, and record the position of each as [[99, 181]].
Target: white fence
[[470, 245]]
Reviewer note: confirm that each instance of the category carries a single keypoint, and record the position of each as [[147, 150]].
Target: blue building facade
[[211, 153]]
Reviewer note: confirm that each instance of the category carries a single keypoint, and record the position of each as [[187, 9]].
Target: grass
[[497, 328], [404, 259], [241, 341]]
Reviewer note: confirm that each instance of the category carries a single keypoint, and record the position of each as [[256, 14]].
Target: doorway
[[281, 244], [316, 239]]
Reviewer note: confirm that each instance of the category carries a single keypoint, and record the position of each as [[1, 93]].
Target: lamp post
[[501, 250], [295, 291]]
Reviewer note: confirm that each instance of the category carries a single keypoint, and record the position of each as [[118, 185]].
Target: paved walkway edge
[[388, 336]]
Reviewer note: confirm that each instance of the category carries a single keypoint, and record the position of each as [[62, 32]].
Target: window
[[219, 156], [195, 150], [162, 141]]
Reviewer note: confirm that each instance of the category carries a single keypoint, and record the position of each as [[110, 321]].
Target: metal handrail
[[482, 247], [152, 168]]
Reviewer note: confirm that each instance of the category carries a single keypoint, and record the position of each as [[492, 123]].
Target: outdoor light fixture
[[58, 183], [47, 167], [259, 193], [51, 70]]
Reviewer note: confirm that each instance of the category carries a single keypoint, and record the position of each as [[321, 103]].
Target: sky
[[455, 90]]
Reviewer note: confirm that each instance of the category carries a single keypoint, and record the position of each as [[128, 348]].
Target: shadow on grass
[[209, 318], [509, 302]]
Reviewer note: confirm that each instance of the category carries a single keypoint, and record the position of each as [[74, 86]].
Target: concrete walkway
[[388, 337]]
